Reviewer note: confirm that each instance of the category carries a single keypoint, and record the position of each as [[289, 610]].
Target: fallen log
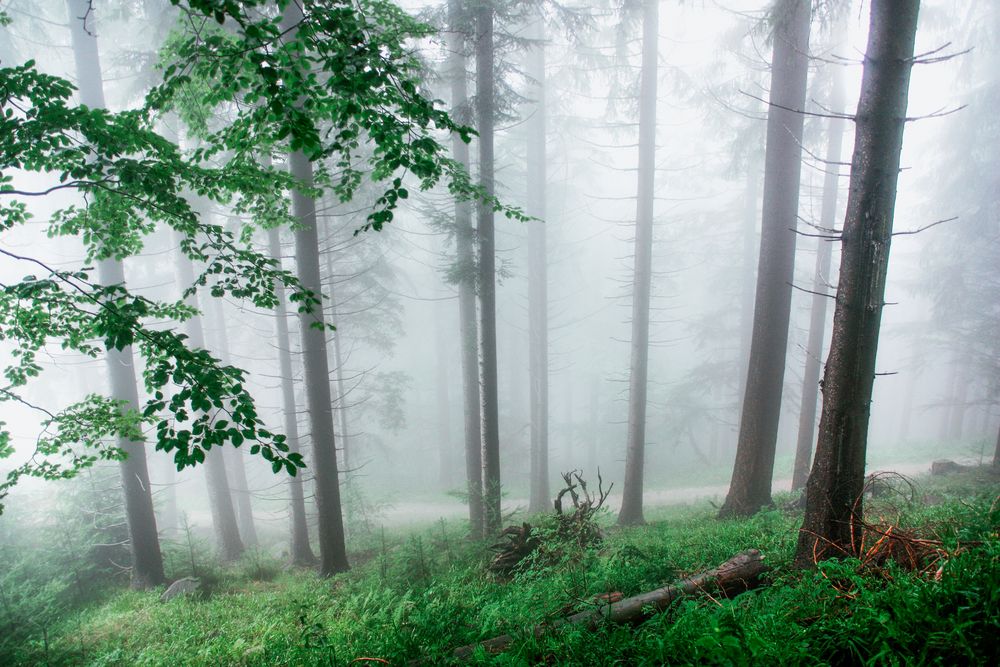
[[738, 574]]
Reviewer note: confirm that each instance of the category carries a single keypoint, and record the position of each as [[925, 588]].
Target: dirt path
[[402, 514]]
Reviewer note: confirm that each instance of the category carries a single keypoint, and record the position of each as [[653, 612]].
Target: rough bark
[[631, 510], [487, 269], [300, 551], [538, 325], [233, 457], [834, 490], [750, 488], [144, 544], [466, 259], [820, 289], [220, 497], [312, 326], [739, 573]]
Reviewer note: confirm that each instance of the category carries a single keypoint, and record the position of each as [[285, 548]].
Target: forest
[[522, 332]]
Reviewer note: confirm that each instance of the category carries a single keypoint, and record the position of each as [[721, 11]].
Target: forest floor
[[417, 595]]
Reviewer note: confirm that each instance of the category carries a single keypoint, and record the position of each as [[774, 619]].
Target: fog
[[395, 357]]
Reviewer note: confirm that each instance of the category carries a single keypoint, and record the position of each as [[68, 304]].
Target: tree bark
[[312, 326], [820, 298], [538, 325], [631, 510], [834, 490], [736, 575], [301, 553], [220, 497], [465, 237], [144, 543], [750, 488], [487, 268]]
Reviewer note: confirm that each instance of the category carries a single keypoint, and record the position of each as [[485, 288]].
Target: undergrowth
[[419, 596]]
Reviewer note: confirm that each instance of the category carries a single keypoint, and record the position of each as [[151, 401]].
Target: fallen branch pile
[[738, 574]]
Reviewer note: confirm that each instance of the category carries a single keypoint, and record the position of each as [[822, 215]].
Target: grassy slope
[[428, 594]]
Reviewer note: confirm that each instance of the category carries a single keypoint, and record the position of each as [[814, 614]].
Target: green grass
[[427, 593]]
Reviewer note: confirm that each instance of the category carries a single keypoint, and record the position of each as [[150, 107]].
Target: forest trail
[[403, 513]]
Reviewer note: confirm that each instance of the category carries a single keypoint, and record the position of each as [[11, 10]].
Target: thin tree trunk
[[749, 279], [487, 262], [538, 335], [235, 461], [821, 298], [631, 510], [834, 489], [750, 488], [338, 370], [956, 420], [996, 452], [300, 551], [224, 521], [312, 326], [144, 543], [466, 259]]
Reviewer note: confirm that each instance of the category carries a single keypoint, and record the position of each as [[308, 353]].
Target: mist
[[477, 250]]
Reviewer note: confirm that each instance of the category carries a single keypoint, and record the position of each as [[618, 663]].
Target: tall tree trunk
[[750, 488], [144, 543], [235, 461], [312, 326], [487, 262], [751, 214], [220, 498], [466, 259], [338, 369], [631, 511], [834, 489], [300, 551], [538, 324], [959, 405], [820, 299]]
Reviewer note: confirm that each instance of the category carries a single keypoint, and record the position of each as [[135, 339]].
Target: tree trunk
[[538, 335], [834, 490], [736, 575], [338, 369], [465, 237], [235, 461], [750, 488], [144, 543], [220, 498], [487, 271], [996, 452], [820, 298], [312, 326], [300, 551], [751, 215], [631, 510]]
